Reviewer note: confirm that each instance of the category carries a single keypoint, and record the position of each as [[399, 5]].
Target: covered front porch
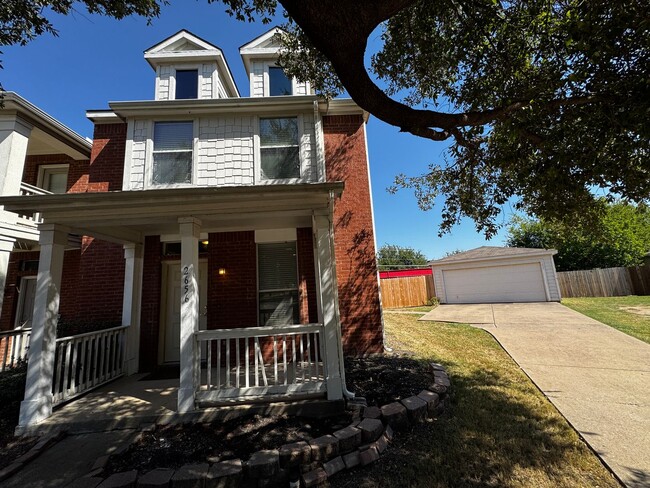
[[246, 363]]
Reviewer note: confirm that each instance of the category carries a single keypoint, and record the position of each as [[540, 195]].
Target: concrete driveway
[[597, 377]]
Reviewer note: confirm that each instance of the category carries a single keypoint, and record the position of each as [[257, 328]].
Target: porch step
[[208, 413]]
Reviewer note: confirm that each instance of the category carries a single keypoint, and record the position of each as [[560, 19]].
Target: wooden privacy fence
[[608, 282], [410, 291]]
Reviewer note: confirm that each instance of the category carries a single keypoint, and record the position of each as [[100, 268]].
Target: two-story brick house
[[233, 235]]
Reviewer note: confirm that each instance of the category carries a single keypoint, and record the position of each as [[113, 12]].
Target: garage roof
[[484, 253]]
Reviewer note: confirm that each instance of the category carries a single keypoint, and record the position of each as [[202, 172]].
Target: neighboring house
[[231, 235], [38, 155]]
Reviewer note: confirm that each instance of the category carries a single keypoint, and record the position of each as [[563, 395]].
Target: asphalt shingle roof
[[490, 252]]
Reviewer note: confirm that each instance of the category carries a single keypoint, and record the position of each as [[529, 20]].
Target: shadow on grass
[[494, 433]]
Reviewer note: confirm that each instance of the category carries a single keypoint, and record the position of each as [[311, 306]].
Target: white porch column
[[14, 138], [328, 305], [37, 404], [190, 229], [132, 299]]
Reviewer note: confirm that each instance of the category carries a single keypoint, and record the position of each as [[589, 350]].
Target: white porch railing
[[86, 361], [14, 346], [35, 218], [259, 361]]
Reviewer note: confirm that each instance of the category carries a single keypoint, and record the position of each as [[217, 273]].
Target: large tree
[[540, 102], [391, 256], [620, 238]]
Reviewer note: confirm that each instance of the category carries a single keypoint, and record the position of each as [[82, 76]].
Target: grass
[[423, 309], [500, 432], [612, 311]]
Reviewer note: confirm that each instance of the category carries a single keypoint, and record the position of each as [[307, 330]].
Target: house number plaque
[[186, 284]]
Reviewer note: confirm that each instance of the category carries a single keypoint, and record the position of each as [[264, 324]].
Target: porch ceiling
[[130, 215]]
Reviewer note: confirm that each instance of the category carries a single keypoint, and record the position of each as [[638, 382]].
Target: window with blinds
[[279, 148], [278, 283], [172, 153]]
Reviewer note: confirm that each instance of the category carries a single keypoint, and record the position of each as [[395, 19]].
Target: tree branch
[[339, 29]]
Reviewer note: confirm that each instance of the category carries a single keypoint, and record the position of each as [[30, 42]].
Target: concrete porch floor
[[129, 403], [125, 403]]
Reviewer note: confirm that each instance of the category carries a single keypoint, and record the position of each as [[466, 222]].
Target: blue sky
[[96, 60]]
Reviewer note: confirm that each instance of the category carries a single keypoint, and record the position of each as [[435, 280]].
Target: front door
[[173, 308]]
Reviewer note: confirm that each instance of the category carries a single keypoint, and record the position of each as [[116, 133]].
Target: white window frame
[[270, 240], [266, 81], [148, 168], [257, 148], [21, 300], [172, 79], [53, 168]]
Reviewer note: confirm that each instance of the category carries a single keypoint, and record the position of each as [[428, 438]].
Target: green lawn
[[622, 313], [500, 430]]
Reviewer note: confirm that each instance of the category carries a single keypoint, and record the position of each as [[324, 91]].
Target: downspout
[[346, 393]]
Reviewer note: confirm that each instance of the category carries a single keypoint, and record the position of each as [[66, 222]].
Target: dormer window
[[279, 83], [187, 84]]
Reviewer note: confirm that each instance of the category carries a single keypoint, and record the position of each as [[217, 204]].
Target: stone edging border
[[359, 444], [36, 450]]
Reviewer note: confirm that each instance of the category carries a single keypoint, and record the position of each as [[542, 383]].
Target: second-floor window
[[279, 84], [172, 153], [187, 84], [279, 148]]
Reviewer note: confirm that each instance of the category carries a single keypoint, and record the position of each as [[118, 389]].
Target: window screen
[[187, 84], [278, 283], [279, 148], [279, 84], [172, 153]]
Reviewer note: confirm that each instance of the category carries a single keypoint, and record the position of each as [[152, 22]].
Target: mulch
[[380, 379]]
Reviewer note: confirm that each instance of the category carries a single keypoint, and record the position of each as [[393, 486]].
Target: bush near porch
[[630, 315], [501, 431]]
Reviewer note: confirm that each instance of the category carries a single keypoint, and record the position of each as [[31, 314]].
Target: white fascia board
[[343, 106], [227, 79], [103, 117], [261, 39], [154, 59], [154, 108], [182, 34], [14, 103]]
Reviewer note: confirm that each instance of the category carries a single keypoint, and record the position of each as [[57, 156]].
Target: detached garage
[[497, 274]]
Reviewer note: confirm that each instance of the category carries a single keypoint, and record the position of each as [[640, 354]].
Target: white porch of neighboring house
[[25, 130], [220, 366]]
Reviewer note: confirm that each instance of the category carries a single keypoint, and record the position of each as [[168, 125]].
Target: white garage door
[[507, 283]]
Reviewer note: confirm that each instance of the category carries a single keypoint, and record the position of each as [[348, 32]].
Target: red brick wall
[[98, 291], [232, 298], [306, 275], [151, 297], [107, 158], [345, 160]]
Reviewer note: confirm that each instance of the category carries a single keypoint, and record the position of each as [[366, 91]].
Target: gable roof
[[185, 47], [492, 253], [262, 47]]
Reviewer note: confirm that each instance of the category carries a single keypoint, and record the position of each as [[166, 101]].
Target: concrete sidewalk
[[69, 459], [597, 377]]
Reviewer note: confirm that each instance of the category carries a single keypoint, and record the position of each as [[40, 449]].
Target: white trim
[[257, 153], [40, 179], [128, 155], [21, 300], [148, 170]]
